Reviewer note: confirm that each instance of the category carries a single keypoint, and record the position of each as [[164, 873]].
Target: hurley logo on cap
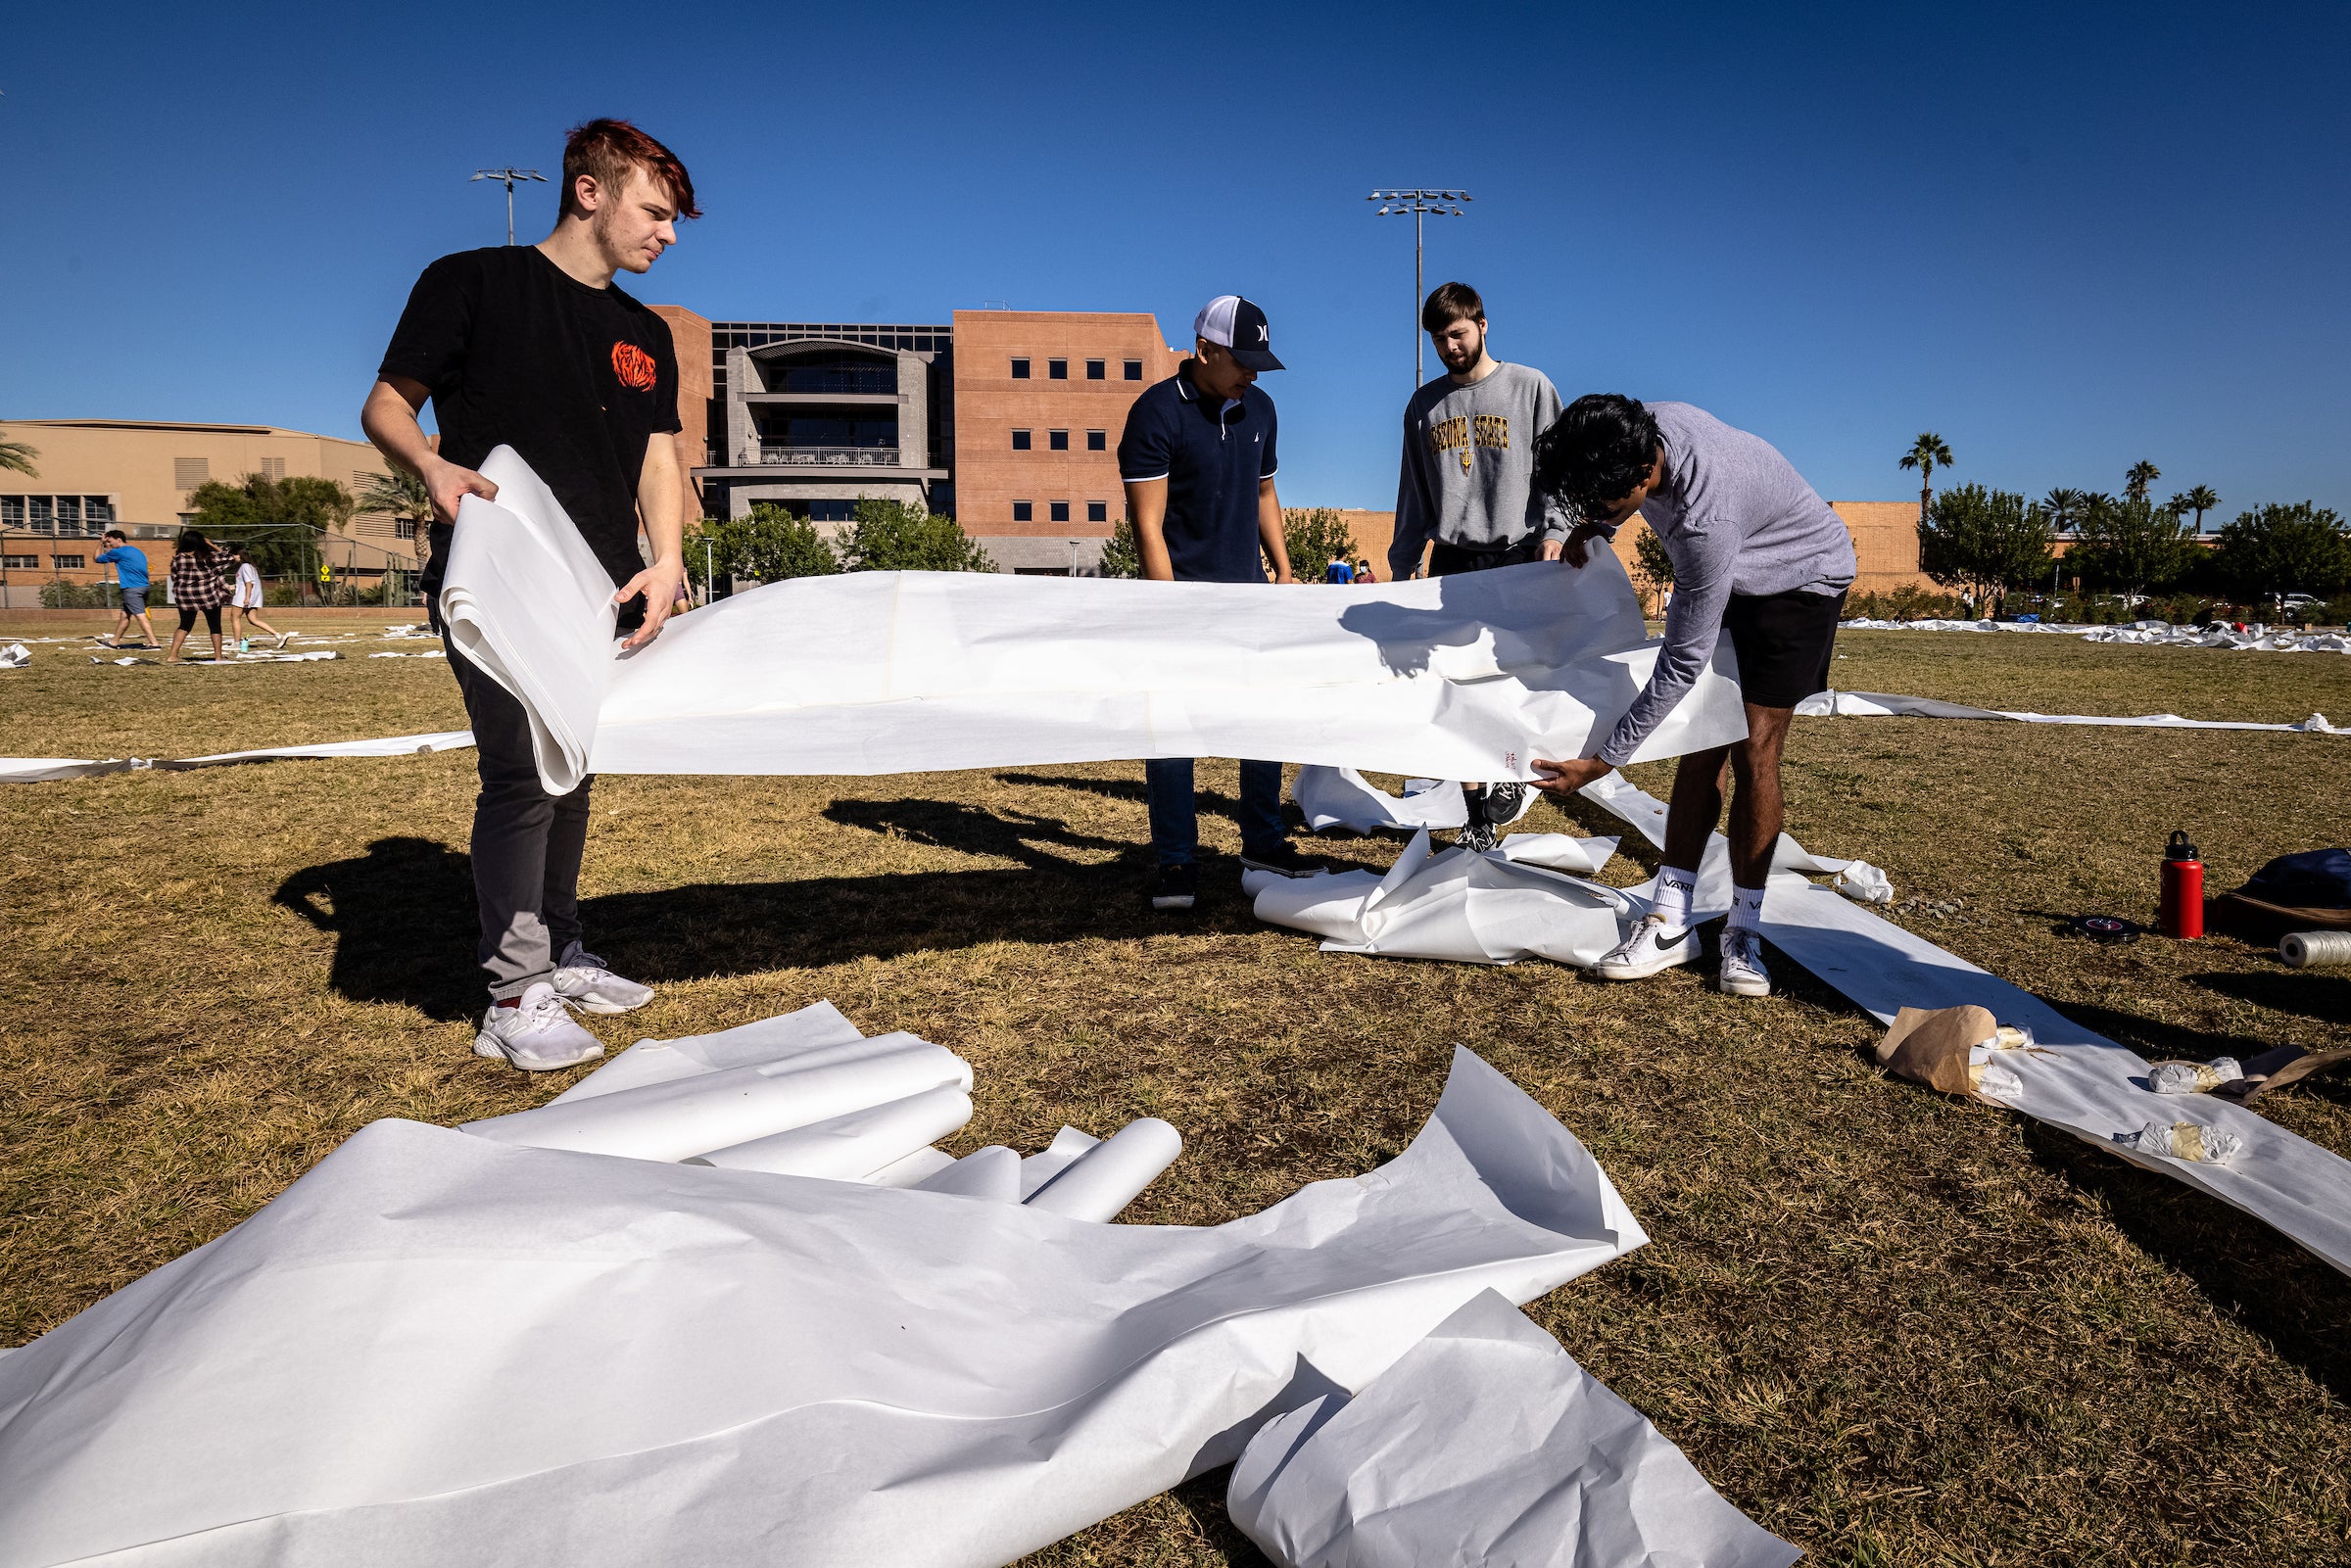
[[1240, 327]]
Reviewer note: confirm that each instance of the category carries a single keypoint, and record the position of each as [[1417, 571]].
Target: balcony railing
[[881, 379], [829, 456]]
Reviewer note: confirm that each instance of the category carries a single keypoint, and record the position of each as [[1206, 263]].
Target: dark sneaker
[[1176, 887], [1504, 803], [1478, 837], [1283, 859]]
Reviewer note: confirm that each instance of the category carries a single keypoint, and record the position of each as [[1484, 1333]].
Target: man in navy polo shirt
[[1197, 456]]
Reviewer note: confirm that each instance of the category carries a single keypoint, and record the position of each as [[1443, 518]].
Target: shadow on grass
[[2324, 997], [999, 833], [402, 915], [2290, 1298]]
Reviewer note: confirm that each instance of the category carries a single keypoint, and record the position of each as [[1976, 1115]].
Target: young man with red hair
[[533, 347]]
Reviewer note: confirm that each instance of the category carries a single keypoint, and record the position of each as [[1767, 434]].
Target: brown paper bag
[[1931, 1046]]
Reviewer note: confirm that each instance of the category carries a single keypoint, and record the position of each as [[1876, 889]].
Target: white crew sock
[[1747, 909], [1677, 889]]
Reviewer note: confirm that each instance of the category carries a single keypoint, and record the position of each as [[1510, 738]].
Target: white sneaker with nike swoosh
[[1653, 947]]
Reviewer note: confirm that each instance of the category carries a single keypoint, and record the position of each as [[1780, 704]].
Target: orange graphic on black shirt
[[633, 365]]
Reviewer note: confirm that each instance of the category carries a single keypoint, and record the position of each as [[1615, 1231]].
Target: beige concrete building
[[135, 474]]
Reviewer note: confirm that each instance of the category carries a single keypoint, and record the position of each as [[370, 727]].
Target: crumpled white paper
[[1342, 798], [1466, 677], [1484, 1443], [435, 1348], [14, 657], [2078, 1080], [1884, 704]]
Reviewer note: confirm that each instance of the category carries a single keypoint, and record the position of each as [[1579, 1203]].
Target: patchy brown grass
[[1894, 1328]]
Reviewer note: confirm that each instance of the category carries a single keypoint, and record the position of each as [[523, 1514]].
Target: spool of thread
[[2307, 950]]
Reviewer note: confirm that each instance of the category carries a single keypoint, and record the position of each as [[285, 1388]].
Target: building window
[[1097, 440], [1060, 440], [1061, 512], [44, 514], [273, 468], [1097, 511], [12, 512], [97, 509], [403, 528], [189, 472], [1135, 369], [831, 511], [22, 563], [74, 562], [1019, 440], [1023, 511], [1057, 369], [68, 514], [1019, 370], [1097, 370]]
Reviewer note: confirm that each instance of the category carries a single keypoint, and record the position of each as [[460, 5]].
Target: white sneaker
[[1646, 951], [590, 987], [1743, 971], [537, 1036]]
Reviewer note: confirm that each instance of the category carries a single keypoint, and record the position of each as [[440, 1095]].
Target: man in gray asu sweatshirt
[[1756, 553], [1464, 491]]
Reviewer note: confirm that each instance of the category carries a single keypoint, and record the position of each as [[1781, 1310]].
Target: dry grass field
[[1892, 1327]]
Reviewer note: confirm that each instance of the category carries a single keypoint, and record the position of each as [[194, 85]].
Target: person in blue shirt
[[130, 572], [1340, 569], [1197, 458]]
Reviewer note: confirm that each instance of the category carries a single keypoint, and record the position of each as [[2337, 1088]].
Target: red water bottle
[[2182, 912]]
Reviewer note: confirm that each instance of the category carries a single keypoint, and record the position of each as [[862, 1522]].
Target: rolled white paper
[[1055, 1157], [1112, 1174], [849, 1147], [992, 1172], [829, 1056], [718, 1110], [910, 1171]]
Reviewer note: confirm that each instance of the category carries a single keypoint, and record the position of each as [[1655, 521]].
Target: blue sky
[[2064, 237]]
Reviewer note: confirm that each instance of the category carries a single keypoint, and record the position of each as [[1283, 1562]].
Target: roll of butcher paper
[[1112, 1174], [992, 1172], [851, 1147]]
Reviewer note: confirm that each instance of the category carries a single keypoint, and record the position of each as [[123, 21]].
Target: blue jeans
[[1175, 813]]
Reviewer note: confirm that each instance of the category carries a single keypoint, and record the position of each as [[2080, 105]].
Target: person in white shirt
[[245, 600]]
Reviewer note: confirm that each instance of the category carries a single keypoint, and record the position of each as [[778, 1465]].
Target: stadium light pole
[[1421, 205], [508, 178]]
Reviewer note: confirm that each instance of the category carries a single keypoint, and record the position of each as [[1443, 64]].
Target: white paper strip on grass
[[891, 672], [2082, 1082], [1884, 704], [1112, 1174], [850, 1147], [1484, 1443], [1051, 1160], [398, 745], [717, 1110], [1456, 905], [41, 770], [433, 1347], [786, 1034], [992, 1172], [2256, 639]]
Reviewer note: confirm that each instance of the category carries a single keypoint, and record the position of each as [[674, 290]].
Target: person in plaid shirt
[[196, 585]]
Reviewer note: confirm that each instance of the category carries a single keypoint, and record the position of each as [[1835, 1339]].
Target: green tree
[[2062, 508], [2135, 482], [2201, 499], [1926, 452], [2301, 549], [1649, 555], [2133, 547], [888, 536], [278, 521], [766, 546], [1122, 556], [1984, 542], [1314, 535], [16, 458]]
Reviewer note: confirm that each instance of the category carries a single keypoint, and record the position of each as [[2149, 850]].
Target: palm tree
[[2064, 508], [2201, 499], [399, 492], [2142, 474], [16, 457], [1924, 454]]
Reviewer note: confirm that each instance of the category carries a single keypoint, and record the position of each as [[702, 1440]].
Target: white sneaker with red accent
[[536, 1034]]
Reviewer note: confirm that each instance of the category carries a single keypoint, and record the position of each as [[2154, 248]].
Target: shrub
[[888, 536], [76, 596], [1906, 603]]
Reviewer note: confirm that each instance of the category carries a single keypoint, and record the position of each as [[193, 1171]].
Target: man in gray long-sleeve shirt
[[1756, 553], [1466, 483]]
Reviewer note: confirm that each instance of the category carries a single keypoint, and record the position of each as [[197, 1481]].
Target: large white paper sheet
[[1884, 704], [32, 770], [436, 1349], [1486, 1444], [1468, 677], [2081, 1081]]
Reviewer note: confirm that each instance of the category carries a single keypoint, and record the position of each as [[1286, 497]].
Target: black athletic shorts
[[1445, 560], [1783, 642]]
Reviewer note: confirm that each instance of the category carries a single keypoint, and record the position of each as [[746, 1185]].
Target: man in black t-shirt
[[531, 346]]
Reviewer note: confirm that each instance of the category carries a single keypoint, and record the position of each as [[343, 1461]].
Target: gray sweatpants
[[526, 844]]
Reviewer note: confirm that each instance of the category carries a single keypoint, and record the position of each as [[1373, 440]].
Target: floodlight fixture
[[508, 178], [1420, 204]]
